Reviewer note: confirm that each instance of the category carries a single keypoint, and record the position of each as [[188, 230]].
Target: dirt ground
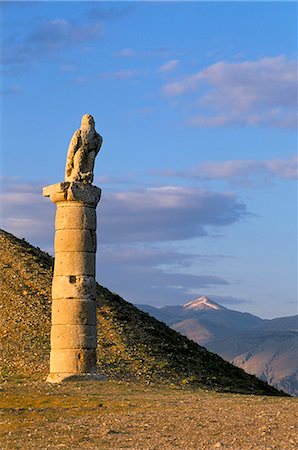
[[116, 415]]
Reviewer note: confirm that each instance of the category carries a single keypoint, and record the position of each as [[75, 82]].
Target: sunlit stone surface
[[73, 332]]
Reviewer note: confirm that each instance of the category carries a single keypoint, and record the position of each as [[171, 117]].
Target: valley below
[[262, 347], [114, 415]]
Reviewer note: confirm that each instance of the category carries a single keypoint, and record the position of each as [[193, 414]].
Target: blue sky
[[197, 106]]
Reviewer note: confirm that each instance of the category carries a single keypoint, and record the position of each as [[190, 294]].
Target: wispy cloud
[[131, 53], [25, 213], [245, 172], [125, 265], [228, 299], [275, 118], [165, 255], [169, 65], [68, 68], [253, 92], [168, 213], [103, 12], [48, 38], [127, 269], [286, 168], [162, 214], [11, 90], [122, 74]]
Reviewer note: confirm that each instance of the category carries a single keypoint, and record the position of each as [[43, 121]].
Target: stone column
[[73, 332]]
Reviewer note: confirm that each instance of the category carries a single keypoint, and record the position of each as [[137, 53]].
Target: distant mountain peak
[[202, 303]]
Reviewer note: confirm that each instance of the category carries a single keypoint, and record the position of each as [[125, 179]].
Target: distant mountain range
[[265, 348]]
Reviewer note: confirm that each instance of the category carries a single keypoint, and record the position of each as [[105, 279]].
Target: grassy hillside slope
[[131, 344]]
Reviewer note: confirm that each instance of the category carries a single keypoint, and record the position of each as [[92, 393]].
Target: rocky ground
[[162, 391], [116, 415], [131, 344]]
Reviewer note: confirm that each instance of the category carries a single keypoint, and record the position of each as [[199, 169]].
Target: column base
[[62, 377]]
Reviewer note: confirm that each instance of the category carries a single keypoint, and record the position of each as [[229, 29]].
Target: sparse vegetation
[[114, 415], [131, 344], [160, 390]]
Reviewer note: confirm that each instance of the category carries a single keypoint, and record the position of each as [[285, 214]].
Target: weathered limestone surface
[[74, 263], [80, 240], [73, 336], [73, 332], [70, 311], [83, 148], [80, 217], [72, 192], [65, 363], [73, 286]]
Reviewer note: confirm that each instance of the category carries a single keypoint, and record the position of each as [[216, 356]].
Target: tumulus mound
[[132, 346]]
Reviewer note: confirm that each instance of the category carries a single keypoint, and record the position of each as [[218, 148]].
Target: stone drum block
[[75, 216], [72, 361], [74, 312], [73, 336], [74, 263], [74, 286], [75, 241]]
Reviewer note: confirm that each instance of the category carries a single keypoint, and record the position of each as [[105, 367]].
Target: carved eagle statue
[[82, 151]]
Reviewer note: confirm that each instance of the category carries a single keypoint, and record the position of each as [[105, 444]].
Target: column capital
[[73, 191]]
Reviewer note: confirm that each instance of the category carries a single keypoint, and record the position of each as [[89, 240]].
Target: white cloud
[[25, 213], [11, 90], [123, 74], [126, 53], [246, 172], [131, 53], [286, 168], [188, 84], [157, 273], [260, 92], [276, 118], [154, 254], [169, 65], [60, 33], [167, 213], [81, 80], [68, 68], [135, 272], [49, 37], [101, 11], [227, 299]]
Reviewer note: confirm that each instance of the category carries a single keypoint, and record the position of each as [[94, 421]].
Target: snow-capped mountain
[[202, 304], [265, 348]]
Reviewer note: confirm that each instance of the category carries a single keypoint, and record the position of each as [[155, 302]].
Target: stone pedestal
[[73, 332]]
